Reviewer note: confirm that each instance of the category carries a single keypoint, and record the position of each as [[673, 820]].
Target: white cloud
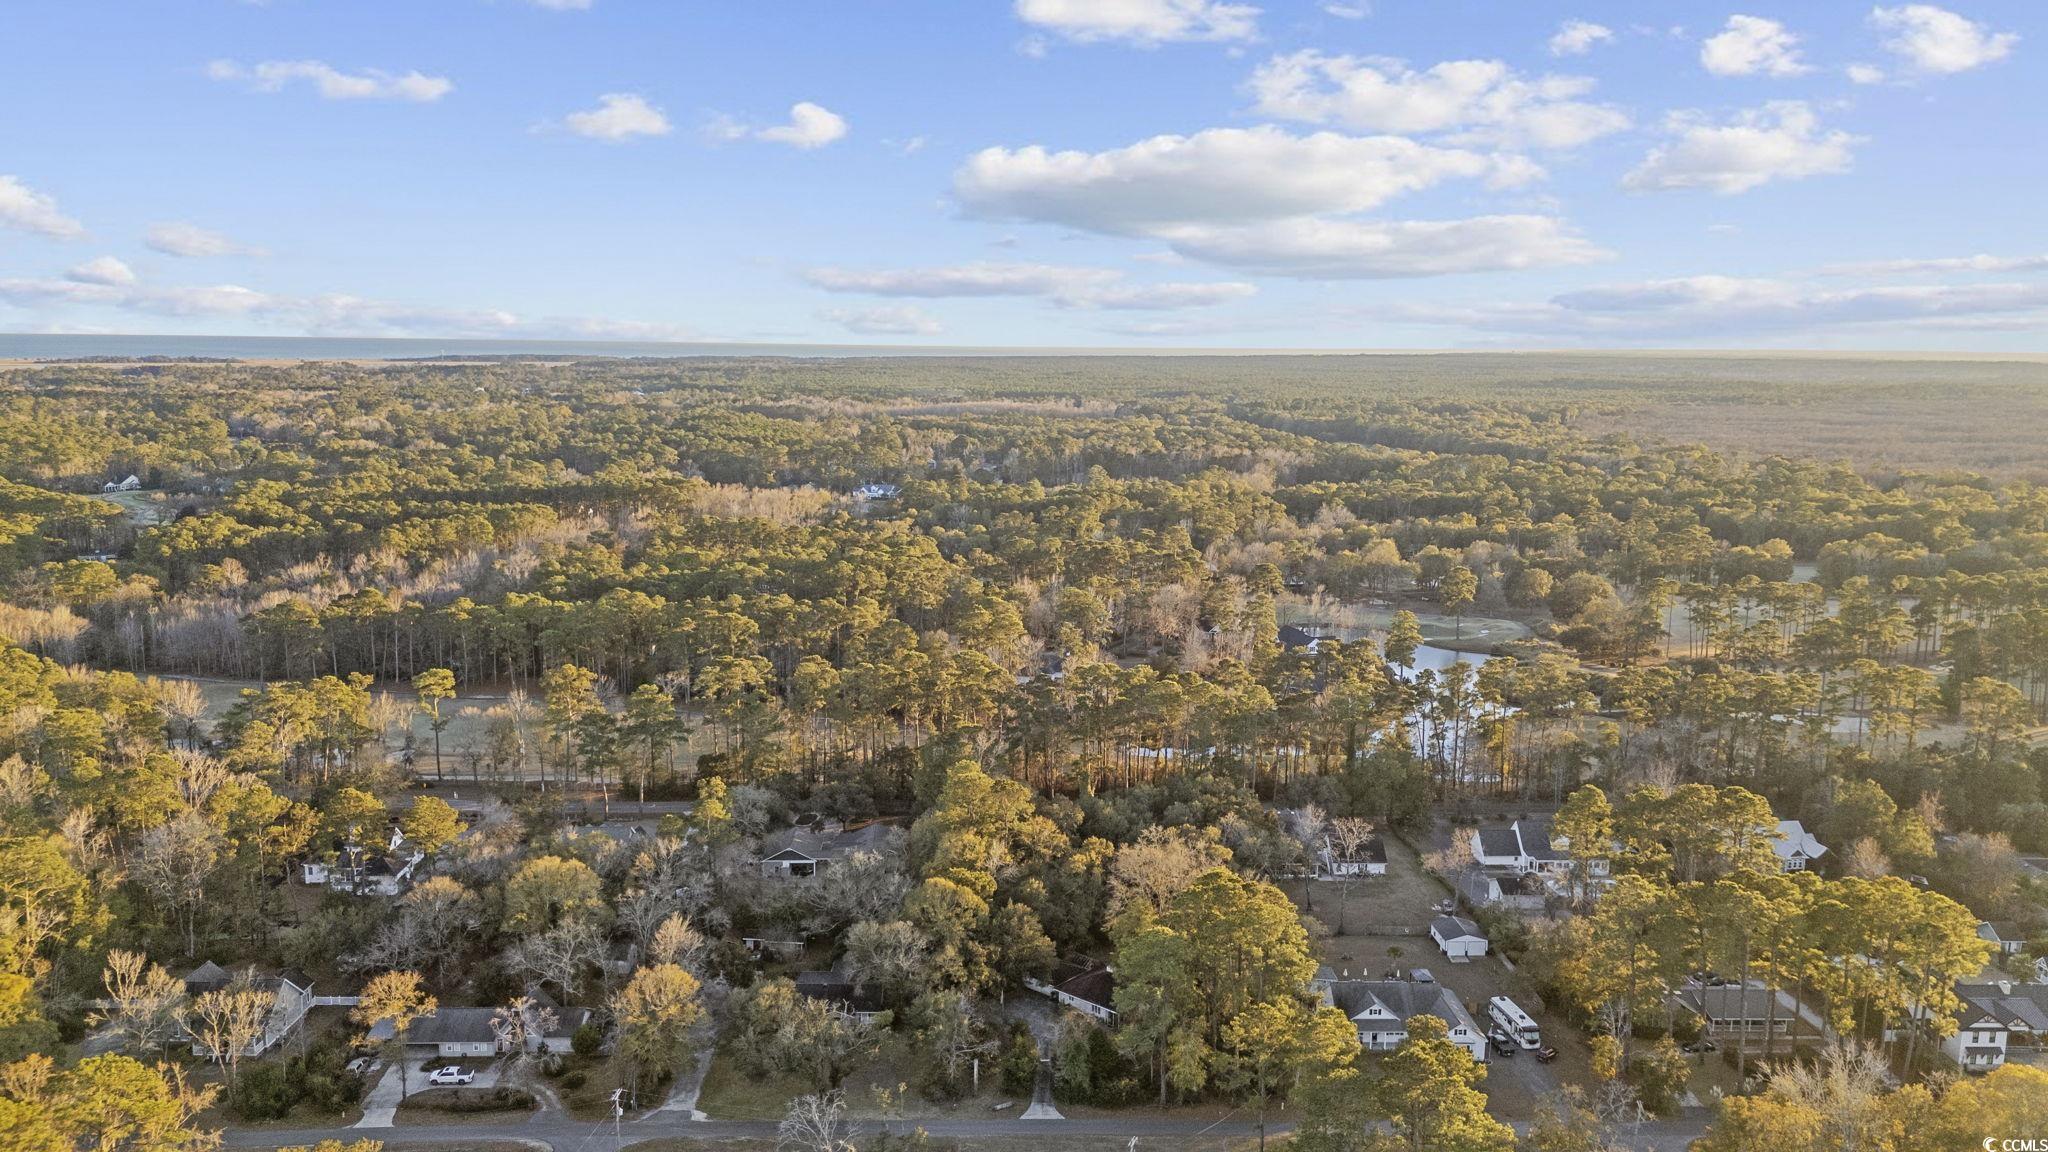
[[1264, 200], [1483, 101], [887, 320], [332, 83], [1320, 248], [1864, 74], [810, 126], [25, 208], [1578, 37], [1978, 263], [562, 5], [619, 116], [102, 270], [1220, 175], [1716, 309], [329, 313], [1782, 140], [1144, 22], [1069, 286], [1358, 11], [1752, 44], [1937, 40], [179, 238]]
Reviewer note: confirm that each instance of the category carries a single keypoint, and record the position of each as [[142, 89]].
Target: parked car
[[362, 1065], [1545, 1055], [1701, 1046], [1503, 1044], [450, 1075]]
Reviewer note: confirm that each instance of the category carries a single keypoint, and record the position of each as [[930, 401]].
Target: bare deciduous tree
[[145, 1003], [815, 1123], [227, 1022]]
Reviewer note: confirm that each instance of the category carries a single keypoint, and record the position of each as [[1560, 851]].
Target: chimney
[[2005, 987]]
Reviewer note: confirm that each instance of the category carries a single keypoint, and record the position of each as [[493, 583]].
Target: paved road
[[559, 1133]]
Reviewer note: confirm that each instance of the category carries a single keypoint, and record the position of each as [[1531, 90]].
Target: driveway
[[380, 1103]]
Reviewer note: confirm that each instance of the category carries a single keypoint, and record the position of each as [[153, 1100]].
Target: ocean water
[[25, 346]]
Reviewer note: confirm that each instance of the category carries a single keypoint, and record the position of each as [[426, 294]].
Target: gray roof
[[2015, 1005], [808, 844], [1499, 842], [1403, 998], [1451, 927], [454, 1026]]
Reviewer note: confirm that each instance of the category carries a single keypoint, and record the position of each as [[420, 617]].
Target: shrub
[[587, 1041]]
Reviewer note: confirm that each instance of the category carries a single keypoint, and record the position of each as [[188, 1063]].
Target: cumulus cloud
[[1480, 101], [1220, 175], [1142, 22], [1578, 37], [1717, 307], [810, 126], [100, 284], [887, 320], [1069, 286], [619, 116], [1939, 41], [102, 270], [1864, 74], [1749, 45], [1266, 200], [179, 238], [331, 82], [1783, 140], [1348, 11], [25, 208]]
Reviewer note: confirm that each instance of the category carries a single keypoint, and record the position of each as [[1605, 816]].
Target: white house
[[1084, 986], [131, 484], [1381, 1009], [1367, 859], [2007, 937], [870, 492], [293, 994], [1458, 937], [801, 853], [1995, 1019], [361, 871], [1795, 846], [1521, 848]]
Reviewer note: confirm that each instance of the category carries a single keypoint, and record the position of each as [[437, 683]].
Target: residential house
[[1524, 893], [1994, 1020], [1381, 1009], [1745, 1013], [293, 992], [1301, 638], [1523, 847], [132, 484], [846, 997], [868, 493], [1795, 846], [801, 853], [2005, 936], [1083, 985], [453, 1033], [1367, 859], [1457, 937], [362, 871]]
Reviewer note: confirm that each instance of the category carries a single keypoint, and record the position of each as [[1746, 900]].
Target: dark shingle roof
[[454, 1026], [1499, 842]]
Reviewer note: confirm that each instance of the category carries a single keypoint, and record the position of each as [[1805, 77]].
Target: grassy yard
[[732, 1094], [1404, 897]]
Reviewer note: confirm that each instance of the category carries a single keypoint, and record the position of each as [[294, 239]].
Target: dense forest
[[1078, 625]]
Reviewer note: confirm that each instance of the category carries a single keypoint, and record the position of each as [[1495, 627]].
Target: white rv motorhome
[[1508, 1015]]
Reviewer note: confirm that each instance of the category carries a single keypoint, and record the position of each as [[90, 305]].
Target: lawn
[[731, 1094], [1404, 898]]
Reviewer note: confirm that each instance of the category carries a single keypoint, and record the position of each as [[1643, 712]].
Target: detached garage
[[1458, 937]]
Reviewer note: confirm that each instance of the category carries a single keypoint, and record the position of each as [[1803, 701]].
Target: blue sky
[[1289, 173]]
